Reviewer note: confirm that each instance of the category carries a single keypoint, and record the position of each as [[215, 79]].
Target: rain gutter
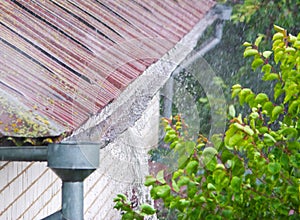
[[72, 162], [224, 13]]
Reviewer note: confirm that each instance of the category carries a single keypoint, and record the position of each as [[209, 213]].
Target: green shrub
[[255, 173]]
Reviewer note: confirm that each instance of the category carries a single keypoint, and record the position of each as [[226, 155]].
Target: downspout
[[72, 162], [224, 13]]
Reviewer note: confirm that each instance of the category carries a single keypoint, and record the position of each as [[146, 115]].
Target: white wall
[[28, 190]]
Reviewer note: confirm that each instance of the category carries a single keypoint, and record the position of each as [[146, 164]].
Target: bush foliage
[[251, 172]]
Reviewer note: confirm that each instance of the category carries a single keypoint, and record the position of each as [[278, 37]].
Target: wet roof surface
[[64, 60]]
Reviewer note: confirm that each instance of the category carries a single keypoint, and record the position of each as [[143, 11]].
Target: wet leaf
[[231, 111], [147, 209], [250, 52], [236, 183], [271, 76], [274, 167], [267, 54], [276, 111], [269, 137], [150, 180], [177, 173], [175, 186], [268, 106], [261, 98], [247, 44], [258, 40], [278, 28], [191, 167], [210, 186], [183, 181], [160, 177], [163, 191], [266, 68]]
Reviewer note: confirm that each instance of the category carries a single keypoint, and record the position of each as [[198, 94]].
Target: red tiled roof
[[63, 60]]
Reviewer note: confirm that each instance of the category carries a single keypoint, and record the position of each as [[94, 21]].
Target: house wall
[[30, 190]]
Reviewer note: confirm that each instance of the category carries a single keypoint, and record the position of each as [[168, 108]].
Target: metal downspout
[[27, 153], [72, 162]]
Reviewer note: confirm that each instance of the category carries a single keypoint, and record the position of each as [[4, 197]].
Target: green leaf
[[210, 163], [294, 107], [234, 140], [238, 167], [150, 180], [236, 183], [278, 90], [295, 159], [235, 89], [211, 186], [271, 76], [192, 189], [277, 36], [209, 153], [268, 106], [191, 167], [160, 177], [284, 161], [261, 98], [175, 186], [276, 111], [250, 52], [122, 196], [290, 133], [274, 167], [147, 209], [231, 111], [269, 138], [290, 50], [183, 180], [130, 216], [258, 40], [163, 191], [267, 54], [278, 56], [256, 63], [247, 44], [250, 100], [220, 166], [227, 212], [278, 28], [183, 203], [177, 173], [244, 128], [292, 190], [243, 94], [266, 68]]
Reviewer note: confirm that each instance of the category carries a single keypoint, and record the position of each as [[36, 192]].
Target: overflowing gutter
[[223, 13]]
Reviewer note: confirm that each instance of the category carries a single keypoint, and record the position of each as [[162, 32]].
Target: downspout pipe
[[72, 162]]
